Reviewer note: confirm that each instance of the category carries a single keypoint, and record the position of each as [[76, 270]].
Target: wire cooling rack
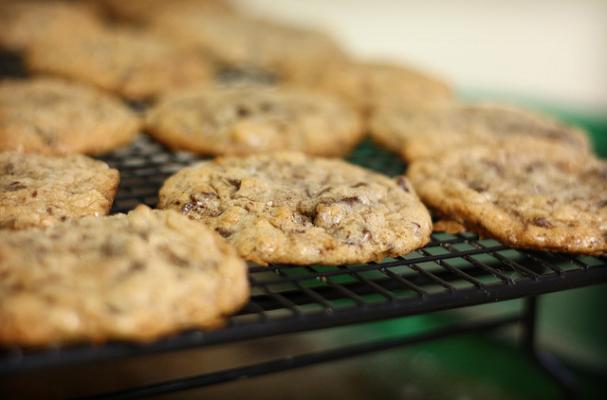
[[451, 271]]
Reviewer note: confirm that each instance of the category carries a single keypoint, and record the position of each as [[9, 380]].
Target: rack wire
[[452, 271]]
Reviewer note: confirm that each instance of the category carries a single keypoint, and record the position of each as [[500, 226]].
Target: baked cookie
[[39, 190], [254, 119], [54, 116], [24, 22], [417, 133], [369, 85], [123, 277], [246, 43], [142, 11], [543, 197], [295, 209], [134, 64]]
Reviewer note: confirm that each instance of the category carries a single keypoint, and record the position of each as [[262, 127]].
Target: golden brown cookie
[[543, 197], [39, 190], [295, 209], [254, 119], [134, 64], [24, 22], [124, 277], [54, 116], [145, 10], [417, 133], [369, 85], [244, 42]]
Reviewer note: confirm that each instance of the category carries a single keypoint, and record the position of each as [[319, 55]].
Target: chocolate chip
[[14, 186], [477, 186], [205, 203], [187, 207], [403, 184], [242, 111], [541, 222], [367, 235], [602, 203], [136, 266], [224, 232], [235, 182], [350, 200], [35, 193]]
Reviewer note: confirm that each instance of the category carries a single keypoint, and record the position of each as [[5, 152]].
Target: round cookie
[[25, 22], [123, 277], [543, 197], [247, 43], [40, 190], [145, 10], [54, 116], [294, 209], [254, 119], [136, 65], [369, 85], [416, 133]]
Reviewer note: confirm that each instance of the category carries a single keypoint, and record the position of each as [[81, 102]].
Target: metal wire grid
[[451, 271]]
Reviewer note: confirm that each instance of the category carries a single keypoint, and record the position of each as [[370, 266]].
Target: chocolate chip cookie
[[24, 22], [416, 132], [54, 116], [142, 11], [40, 190], [123, 277], [247, 43], [295, 209], [542, 197], [254, 119], [134, 64], [369, 85]]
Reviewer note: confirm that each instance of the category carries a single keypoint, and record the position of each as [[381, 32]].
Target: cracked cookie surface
[[541, 197], [54, 116], [39, 190], [134, 64], [416, 133], [295, 209], [254, 119], [123, 277]]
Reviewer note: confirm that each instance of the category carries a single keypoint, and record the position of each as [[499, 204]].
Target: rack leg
[[546, 361]]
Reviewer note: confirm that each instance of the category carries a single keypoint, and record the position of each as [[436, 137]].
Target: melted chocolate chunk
[[14, 186], [350, 200], [542, 222], [206, 203], [224, 232], [235, 182]]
